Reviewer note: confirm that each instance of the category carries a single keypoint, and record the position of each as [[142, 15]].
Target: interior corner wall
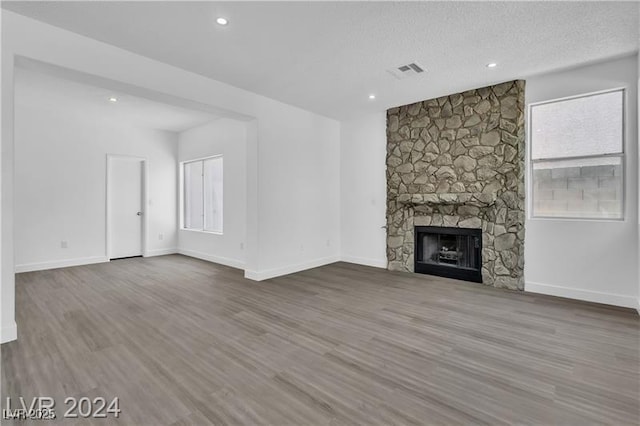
[[60, 185], [363, 194], [586, 259], [293, 193], [298, 192], [8, 329], [228, 138]]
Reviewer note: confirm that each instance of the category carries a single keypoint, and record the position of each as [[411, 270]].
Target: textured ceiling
[[328, 57], [80, 100]]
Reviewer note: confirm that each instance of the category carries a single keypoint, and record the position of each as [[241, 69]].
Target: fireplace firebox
[[449, 252]]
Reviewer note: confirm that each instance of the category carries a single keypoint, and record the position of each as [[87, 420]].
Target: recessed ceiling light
[[492, 65], [113, 99], [372, 96], [222, 21]]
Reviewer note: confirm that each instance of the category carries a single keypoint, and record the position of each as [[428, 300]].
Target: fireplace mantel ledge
[[478, 199]]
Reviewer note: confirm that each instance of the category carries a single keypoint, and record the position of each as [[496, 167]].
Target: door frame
[[144, 201]]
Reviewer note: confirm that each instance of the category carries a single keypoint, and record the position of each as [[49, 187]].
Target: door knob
[[139, 213]]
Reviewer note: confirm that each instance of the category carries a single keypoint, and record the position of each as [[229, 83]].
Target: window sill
[[575, 219], [202, 231]]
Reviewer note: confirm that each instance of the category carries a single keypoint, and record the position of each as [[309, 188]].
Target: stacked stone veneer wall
[[458, 161]]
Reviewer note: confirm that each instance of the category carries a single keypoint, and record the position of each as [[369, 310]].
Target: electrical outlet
[[241, 246], [161, 237], [328, 243], [63, 244]]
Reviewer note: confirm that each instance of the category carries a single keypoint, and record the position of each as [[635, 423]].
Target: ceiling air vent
[[410, 70]]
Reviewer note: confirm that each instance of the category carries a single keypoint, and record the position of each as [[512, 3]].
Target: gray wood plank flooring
[[186, 342]]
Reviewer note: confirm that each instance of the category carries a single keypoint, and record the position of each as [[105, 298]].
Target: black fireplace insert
[[449, 252]]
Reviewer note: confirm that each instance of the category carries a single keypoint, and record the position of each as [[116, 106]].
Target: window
[[577, 157], [202, 194]]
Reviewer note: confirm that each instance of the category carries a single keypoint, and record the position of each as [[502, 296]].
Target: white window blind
[[203, 194]]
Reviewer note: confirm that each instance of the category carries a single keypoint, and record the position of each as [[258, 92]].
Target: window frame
[[183, 198], [622, 155]]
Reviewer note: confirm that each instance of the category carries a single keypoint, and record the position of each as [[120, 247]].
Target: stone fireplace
[[458, 162]]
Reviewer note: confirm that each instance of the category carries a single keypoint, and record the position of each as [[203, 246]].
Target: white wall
[[293, 155], [227, 137], [589, 260], [8, 329], [363, 190], [60, 181], [299, 192]]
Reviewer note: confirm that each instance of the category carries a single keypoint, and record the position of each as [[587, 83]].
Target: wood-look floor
[[182, 341]]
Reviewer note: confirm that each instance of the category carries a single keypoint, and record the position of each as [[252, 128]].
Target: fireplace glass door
[[451, 252]]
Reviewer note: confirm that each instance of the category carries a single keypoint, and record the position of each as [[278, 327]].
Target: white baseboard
[[586, 295], [376, 263], [9, 333], [234, 263], [42, 266], [160, 252], [290, 269]]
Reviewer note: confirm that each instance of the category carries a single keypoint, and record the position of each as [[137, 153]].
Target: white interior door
[[125, 188]]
